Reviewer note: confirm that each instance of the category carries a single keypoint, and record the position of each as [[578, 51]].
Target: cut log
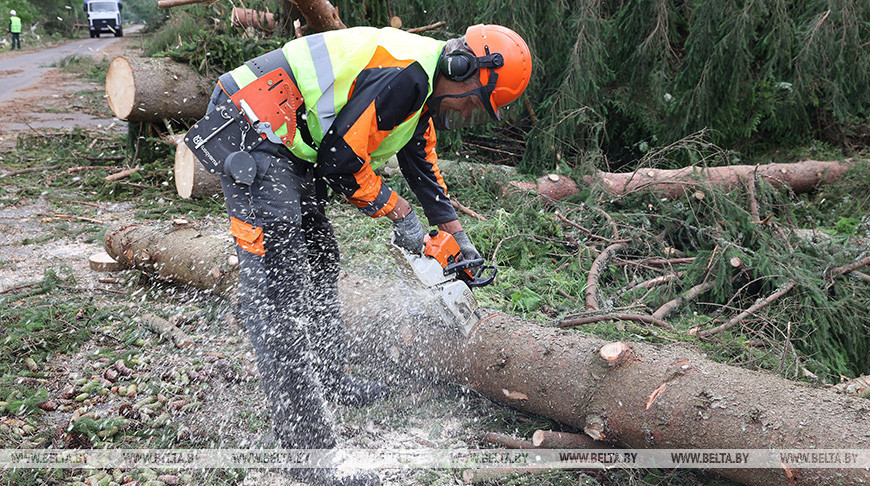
[[176, 254], [192, 180], [151, 90], [247, 17], [801, 177], [103, 262], [561, 374]]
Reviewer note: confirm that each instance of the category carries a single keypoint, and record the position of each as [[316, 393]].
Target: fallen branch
[[110, 158], [753, 201], [424, 28], [668, 262], [655, 282], [691, 294], [29, 170], [120, 175], [860, 276], [80, 168], [706, 333], [461, 208], [580, 321], [595, 274], [588, 233], [167, 330], [835, 272], [610, 221], [80, 218]]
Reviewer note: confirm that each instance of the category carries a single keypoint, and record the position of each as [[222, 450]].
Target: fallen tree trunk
[[645, 397], [799, 176], [151, 90], [192, 180]]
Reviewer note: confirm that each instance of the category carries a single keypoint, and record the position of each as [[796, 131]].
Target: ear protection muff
[[460, 65]]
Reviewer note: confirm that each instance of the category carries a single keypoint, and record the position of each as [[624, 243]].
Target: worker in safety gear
[[368, 94], [15, 29]]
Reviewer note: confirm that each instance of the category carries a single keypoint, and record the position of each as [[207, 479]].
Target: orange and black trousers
[[289, 264]]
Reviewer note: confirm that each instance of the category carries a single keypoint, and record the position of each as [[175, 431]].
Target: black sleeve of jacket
[[423, 175], [381, 100]]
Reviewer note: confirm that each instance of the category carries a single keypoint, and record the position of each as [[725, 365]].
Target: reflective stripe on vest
[[325, 67], [15, 26]]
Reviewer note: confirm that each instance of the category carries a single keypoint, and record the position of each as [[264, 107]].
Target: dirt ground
[[51, 100]]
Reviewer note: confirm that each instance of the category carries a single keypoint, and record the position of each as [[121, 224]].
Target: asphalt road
[[21, 73]]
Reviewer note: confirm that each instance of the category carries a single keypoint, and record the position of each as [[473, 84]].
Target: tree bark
[[151, 90], [192, 180], [319, 14], [801, 177], [247, 17], [178, 254], [561, 374]]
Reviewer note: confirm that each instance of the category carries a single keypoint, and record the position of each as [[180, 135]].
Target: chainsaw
[[447, 276]]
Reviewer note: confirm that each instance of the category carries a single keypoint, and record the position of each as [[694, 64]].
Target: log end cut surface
[[120, 87], [184, 170], [103, 262]]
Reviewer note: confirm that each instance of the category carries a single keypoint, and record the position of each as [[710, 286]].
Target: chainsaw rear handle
[[467, 277]]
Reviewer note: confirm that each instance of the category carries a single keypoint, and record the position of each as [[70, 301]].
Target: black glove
[[408, 233], [469, 252]]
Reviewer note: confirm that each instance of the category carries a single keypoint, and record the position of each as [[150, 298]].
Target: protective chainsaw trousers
[[289, 264]]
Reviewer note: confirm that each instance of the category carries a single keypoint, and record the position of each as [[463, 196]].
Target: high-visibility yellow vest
[[15, 25], [325, 66]]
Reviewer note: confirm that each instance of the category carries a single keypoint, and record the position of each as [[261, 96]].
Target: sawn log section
[[658, 397]]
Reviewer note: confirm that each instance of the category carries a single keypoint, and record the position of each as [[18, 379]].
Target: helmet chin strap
[[484, 93]]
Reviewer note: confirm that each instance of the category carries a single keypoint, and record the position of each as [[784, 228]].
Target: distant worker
[[15, 29], [361, 95]]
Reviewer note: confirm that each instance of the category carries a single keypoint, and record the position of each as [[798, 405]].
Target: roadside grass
[[86, 66]]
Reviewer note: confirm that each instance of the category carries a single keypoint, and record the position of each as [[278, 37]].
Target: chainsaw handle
[[467, 277], [483, 281], [462, 265]]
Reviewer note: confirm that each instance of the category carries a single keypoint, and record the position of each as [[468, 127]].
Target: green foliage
[[92, 69], [847, 226], [211, 51], [37, 329], [630, 76], [142, 11]]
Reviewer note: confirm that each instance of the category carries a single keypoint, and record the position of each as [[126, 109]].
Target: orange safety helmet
[[512, 78]]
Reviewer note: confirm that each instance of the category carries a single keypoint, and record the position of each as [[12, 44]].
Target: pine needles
[[626, 77]]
